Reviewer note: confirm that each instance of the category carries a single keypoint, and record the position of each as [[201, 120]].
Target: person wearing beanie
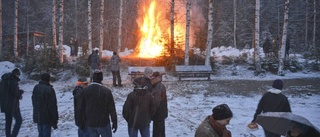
[[115, 69], [94, 62], [97, 107], [272, 101], [82, 83], [214, 125], [10, 105], [45, 117]]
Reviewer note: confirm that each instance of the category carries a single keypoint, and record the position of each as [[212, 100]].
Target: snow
[[187, 108]]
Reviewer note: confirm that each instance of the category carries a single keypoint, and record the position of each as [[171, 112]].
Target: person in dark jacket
[[273, 101], [82, 83], [214, 125], [138, 109], [10, 101], [145, 80], [160, 96], [97, 105], [115, 69], [45, 109], [94, 62]]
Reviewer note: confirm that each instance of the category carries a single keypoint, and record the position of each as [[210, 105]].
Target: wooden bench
[[134, 71], [192, 71]]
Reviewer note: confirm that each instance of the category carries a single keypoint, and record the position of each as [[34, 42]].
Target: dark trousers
[[270, 134], [115, 76], [44, 130], [158, 128], [17, 116]]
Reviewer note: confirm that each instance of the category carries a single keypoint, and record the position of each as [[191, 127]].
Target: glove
[[114, 127]]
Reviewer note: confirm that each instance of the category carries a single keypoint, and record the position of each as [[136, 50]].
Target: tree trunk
[[235, 23], [120, 26], [314, 25], [284, 38], [257, 38], [61, 20], [89, 27], [54, 25], [210, 33], [101, 27], [186, 54], [1, 29], [15, 35], [172, 29], [306, 28]]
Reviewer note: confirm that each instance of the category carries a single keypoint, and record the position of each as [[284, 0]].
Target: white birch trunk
[[210, 33], [61, 20], [257, 37], [186, 53], [0, 28], [235, 23], [101, 27], [89, 27], [284, 38], [306, 29], [54, 25], [314, 24], [120, 26], [172, 28], [15, 35]]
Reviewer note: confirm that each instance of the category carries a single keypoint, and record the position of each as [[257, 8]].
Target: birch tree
[[0, 28], [186, 53], [235, 23], [172, 28], [101, 27], [314, 24], [284, 38], [54, 24], [61, 20], [306, 27], [15, 35], [89, 27], [257, 37], [210, 33], [120, 26]]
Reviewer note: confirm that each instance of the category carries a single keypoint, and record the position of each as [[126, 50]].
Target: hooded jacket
[[160, 97], [272, 101], [10, 93], [138, 108]]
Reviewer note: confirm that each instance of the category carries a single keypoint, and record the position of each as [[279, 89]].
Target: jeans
[[83, 133], [144, 132], [115, 76], [17, 116], [97, 131], [44, 130]]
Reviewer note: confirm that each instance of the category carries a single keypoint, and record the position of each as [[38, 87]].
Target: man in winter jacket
[[138, 109], [45, 109], [115, 69], [94, 62], [273, 101], [215, 125], [10, 96], [160, 97], [97, 105], [82, 83]]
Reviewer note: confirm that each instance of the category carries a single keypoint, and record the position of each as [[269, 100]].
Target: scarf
[[221, 130]]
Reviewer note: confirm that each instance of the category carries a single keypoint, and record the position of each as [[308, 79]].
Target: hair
[[45, 77], [114, 53], [16, 72]]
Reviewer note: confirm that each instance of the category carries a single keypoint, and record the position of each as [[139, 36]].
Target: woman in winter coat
[[215, 125]]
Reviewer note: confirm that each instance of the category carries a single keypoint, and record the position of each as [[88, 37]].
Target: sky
[[187, 108]]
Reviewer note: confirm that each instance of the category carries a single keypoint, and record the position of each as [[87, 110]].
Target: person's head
[[82, 82], [97, 77], [277, 84], [114, 53], [297, 129], [156, 77], [16, 72], [45, 77], [148, 72], [222, 114]]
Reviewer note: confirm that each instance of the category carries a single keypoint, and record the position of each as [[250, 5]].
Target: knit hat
[[277, 84], [16, 72], [221, 111], [82, 80], [97, 76], [45, 77]]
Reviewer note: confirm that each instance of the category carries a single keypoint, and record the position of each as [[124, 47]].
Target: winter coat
[[138, 108], [272, 101], [114, 63], [77, 101], [94, 61], [44, 101], [143, 81], [10, 93], [97, 105], [160, 97], [210, 128]]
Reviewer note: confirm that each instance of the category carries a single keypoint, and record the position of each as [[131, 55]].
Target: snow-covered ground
[[186, 110]]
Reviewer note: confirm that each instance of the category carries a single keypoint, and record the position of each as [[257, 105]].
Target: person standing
[[145, 80], [97, 105], [215, 125], [138, 109], [160, 96], [272, 101], [82, 83], [45, 109], [94, 62], [115, 69], [10, 96]]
